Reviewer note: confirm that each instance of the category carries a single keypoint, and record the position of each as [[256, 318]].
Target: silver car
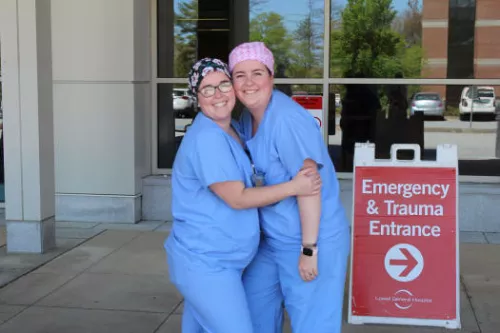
[[429, 103]]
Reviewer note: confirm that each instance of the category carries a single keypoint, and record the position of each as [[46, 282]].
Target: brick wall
[[434, 71], [441, 90], [435, 41], [487, 72], [488, 9], [487, 42], [435, 9], [487, 39]]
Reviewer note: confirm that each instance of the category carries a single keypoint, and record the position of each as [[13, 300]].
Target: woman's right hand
[[307, 182]]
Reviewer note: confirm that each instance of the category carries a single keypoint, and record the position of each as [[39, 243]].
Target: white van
[[484, 104]]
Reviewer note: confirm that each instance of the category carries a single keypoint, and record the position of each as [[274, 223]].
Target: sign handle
[[397, 147]]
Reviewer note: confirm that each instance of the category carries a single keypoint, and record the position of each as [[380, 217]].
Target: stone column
[[102, 108], [25, 33]]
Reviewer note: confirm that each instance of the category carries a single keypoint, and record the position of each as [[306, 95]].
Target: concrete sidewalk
[[117, 281]]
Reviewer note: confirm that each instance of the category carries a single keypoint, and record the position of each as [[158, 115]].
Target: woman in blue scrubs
[[216, 232], [303, 257]]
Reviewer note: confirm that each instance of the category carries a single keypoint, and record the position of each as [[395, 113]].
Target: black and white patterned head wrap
[[201, 68]]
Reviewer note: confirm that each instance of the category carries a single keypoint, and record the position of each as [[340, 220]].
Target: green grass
[[452, 111]]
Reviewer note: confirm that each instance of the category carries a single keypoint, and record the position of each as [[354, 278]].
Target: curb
[[428, 129], [449, 130], [460, 130]]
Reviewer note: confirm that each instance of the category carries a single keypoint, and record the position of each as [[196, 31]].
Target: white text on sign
[[393, 229], [413, 209], [405, 190]]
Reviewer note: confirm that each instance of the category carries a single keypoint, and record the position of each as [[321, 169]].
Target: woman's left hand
[[308, 267]]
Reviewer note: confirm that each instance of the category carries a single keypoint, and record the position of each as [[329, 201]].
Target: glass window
[[192, 29], [176, 110], [177, 113], [197, 29], [393, 39], [376, 39], [293, 32], [461, 41], [388, 114], [411, 39]]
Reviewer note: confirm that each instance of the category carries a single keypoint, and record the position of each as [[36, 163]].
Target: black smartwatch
[[309, 250]]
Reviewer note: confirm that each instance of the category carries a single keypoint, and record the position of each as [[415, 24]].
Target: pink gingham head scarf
[[251, 51]]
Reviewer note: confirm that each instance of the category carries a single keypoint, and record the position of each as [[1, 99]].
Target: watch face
[[307, 252]]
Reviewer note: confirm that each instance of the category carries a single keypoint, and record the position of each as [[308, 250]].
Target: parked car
[[430, 103], [484, 103], [338, 101], [184, 103]]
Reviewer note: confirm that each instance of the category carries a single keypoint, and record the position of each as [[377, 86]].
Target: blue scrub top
[[287, 136], [206, 230]]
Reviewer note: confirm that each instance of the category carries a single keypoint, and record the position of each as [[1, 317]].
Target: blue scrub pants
[[315, 306], [214, 298]]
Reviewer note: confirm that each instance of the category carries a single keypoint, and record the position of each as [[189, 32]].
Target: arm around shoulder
[[237, 196]]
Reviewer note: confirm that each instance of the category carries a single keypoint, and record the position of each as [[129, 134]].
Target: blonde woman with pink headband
[[302, 257]]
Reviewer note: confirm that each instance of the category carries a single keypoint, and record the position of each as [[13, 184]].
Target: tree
[[185, 37], [412, 30], [307, 56], [366, 44], [270, 28], [335, 14], [409, 23], [256, 5]]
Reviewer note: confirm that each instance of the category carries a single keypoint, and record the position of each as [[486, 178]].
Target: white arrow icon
[[404, 262]]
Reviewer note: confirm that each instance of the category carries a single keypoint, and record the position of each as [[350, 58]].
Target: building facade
[[460, 38], [90, 91]]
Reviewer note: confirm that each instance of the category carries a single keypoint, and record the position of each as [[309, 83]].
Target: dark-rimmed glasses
[[209, 91]]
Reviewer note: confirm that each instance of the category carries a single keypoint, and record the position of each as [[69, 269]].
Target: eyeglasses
[[209, 91]]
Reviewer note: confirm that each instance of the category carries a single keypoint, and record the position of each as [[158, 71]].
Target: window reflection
[[185, 26], [201, 29], [370, 39], [176, 110], [446, 39], [212, 28], [376, 39], [395, 39], [461, 31], [293, 32], [389, 114], [184, 103]]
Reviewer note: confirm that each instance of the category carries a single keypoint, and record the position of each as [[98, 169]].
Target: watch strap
[[309, 250]]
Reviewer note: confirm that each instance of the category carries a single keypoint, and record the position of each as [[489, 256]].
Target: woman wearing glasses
[[216, 232]]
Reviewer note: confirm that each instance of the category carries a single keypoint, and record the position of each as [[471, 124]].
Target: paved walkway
[[102, 279], [2, 236]]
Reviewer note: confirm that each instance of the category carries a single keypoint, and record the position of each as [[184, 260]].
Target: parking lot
[[474, 142]]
